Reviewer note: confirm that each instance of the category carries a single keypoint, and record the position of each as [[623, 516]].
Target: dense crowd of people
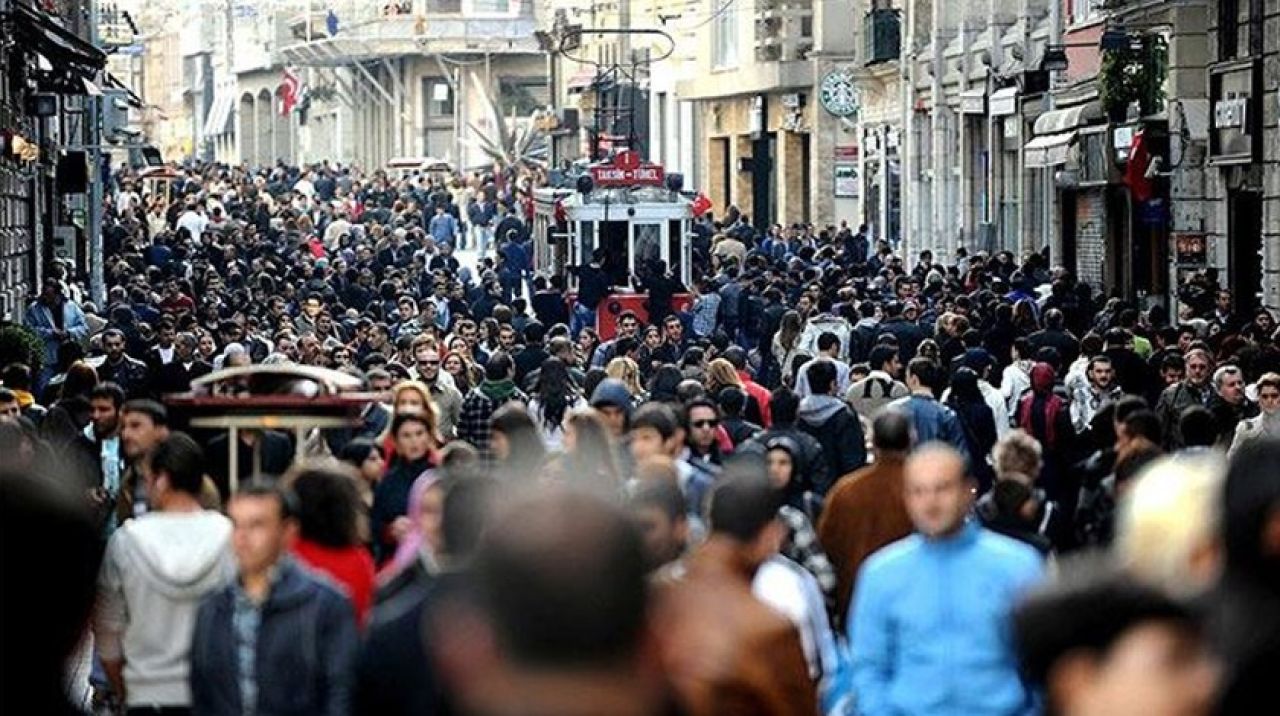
[[836, 483]]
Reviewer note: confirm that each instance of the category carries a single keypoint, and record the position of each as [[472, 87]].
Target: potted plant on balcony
[[1135, 73]]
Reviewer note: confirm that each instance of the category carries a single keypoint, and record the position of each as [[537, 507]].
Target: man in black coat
[[909, 335], [1055, 336], [176, 375], [832, 422]]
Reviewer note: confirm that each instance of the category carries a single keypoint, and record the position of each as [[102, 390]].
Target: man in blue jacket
[[930, 628], [930, 419], [277, 640], [56, 320]]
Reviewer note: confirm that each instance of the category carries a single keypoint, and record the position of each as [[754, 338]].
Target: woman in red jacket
[[329, 514]]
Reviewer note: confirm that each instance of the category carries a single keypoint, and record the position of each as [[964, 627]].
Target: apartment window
[[444, 7], [489, 7], [1082, 11], [437, 98], [522, 96], [1228, 29], [724, 33]]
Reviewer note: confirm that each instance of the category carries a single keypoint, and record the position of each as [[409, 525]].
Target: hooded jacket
[[157, 569], [830, 421]]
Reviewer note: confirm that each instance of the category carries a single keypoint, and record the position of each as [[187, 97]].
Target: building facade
[[49, 70]]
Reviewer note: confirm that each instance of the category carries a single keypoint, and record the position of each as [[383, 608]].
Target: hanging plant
[[1134, 74]]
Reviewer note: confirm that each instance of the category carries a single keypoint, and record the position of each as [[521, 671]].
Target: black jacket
[[818, 480], [394, 674], [174, 377], [839, 431], [306, 649], [909, 336]]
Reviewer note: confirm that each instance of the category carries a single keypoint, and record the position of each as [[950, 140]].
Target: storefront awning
[[973, 101], [581, 80], [1004, 102], [39, 32], [1048, 150], [1062, 120], [218, 121]]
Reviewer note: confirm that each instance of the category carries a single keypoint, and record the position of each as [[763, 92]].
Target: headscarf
[[1038, 412], [413, 545]]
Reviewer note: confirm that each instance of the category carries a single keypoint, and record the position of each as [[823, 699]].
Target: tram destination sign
[[627, 169]]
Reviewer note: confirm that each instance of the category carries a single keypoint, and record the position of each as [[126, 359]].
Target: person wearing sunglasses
[[702, 428]]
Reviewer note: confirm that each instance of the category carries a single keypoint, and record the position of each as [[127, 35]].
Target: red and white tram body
[[627, 210]]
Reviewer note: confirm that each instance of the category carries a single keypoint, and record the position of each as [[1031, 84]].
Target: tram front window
[[613, 239], [648, 246]]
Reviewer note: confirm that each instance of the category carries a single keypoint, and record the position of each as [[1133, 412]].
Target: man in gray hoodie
[[157, 569]]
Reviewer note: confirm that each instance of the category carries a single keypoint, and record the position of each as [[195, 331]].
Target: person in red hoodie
[[328, 540]]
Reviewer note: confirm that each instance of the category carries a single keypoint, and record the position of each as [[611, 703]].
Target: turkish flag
[[289, 91], [1135, 174], [701, 204]]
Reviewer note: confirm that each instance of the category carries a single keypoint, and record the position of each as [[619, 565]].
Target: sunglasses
[[706, 423]]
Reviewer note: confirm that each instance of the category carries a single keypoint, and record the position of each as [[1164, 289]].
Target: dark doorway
[[806, 190], [723, 183], [1244, 237], [762, 194], [1069, 228]]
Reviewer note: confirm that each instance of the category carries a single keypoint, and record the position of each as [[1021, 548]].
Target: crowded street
[[484, 391]]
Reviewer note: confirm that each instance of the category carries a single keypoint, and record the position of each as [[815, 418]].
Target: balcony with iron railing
[[347, 31], [783, 30]]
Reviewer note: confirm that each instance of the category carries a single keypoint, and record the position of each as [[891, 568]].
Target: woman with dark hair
[[366, 457], [591, 379], [555, 396], [786, 342], [414, 435], [664, 383], [588, 342], [515, 443], [978, 423], [329, 513]]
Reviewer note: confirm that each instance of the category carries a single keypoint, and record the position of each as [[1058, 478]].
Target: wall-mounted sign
[[847, 182], [627, 169], [1190, 250], [839, 94], [1231, 112], [1236, 133], [846, 151]]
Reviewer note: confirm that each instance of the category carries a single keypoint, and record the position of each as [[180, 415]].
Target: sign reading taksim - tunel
[[627, 169]]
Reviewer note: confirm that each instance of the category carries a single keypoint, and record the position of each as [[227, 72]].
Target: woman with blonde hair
[[720, 375], [410, 397], [627, 371]]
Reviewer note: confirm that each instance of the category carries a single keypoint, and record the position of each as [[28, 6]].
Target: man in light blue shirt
[[443, 227], [930, 628]]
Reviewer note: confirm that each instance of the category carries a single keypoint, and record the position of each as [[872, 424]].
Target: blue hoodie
[[929, 626]]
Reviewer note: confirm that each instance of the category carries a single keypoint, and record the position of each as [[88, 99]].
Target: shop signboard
[[1235, 130], [846, 181], [1190, 250]]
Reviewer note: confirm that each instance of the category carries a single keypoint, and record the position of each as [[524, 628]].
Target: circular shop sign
[[839, 93]]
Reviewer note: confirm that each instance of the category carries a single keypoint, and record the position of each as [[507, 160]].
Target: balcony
[[783, 30], [348, 31], [883, 35]]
